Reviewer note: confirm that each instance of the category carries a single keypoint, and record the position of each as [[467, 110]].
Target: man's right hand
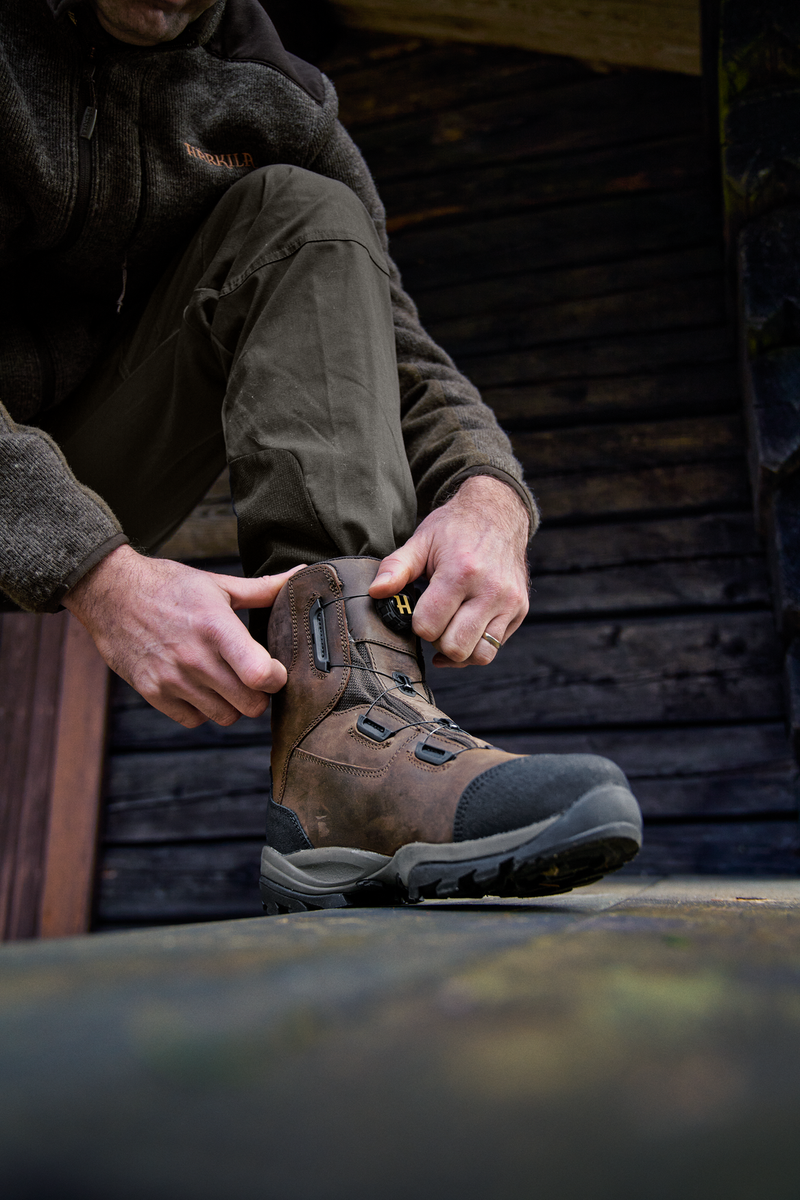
[[171, 632]]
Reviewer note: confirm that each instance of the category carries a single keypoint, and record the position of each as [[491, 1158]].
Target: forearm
[[52, 529]]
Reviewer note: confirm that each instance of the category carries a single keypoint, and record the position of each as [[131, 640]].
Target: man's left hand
[[473, 551]]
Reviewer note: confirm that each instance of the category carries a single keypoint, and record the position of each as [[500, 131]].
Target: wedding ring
[[492, 641]]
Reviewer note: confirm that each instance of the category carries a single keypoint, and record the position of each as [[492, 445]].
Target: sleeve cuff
[[97, 555]]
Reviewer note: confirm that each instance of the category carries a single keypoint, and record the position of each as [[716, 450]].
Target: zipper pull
[[89, 119], [88, 122], [121, 299]]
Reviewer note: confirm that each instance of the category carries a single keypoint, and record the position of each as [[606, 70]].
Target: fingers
[[217, 672], [401, 567], [250, 663], [465, 599], [254, 593]]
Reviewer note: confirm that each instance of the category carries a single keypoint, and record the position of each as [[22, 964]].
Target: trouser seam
[[287, 251]]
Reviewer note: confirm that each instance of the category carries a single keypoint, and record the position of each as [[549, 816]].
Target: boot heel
[[277, 900]]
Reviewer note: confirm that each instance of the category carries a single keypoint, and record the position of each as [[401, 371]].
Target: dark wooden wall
[[561, 229]]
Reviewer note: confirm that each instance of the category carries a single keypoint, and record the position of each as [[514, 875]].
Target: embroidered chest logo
[[231, 162]]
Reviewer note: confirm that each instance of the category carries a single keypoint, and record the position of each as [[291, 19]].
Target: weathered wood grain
[[30, 676], [656, 491], [78, 759], [740, 848], [678, 162], [652, 586], [637, 444], [704, 388], [133, 779], [661, 34], [679, 304], [393, 80], [529, 288], [179, 883], [707, 668], [596, 357], [584, 115], [577, 235], [162, 820], [682, 752], [587, 547]]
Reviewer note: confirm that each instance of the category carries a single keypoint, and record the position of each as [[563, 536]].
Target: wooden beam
[[53, 701], [30, 675], [76, 788], [659, 34]]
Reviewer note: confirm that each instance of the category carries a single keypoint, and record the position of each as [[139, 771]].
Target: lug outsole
[[505, 875]]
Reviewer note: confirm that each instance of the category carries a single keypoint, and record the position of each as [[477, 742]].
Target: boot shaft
[[342, 649]]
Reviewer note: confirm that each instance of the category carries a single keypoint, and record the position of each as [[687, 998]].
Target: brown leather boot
[[379, 798]]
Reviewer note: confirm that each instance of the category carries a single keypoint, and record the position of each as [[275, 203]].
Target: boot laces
[[431, 725]]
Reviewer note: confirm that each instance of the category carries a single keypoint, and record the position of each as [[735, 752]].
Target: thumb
[[401, 567], [255, 593]]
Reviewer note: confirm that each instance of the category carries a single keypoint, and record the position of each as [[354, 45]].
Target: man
[[279, 339]]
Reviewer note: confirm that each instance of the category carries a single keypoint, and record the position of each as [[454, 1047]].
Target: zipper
[[86, 128]]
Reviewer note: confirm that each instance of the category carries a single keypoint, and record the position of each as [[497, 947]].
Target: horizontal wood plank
[[583, 115], [144, 884], [638, 444], [393, 79], [655, 491], [591, 359], [529, 288], [651, 586], [696, 389], [140, 726], [210, 532], [474, 190], [715, 667], [684, 752], [740, 848], [133, 779], [682, 304], [587, 547], [660, 34], [575, 235]]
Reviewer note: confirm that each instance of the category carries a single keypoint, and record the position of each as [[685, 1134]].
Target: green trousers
[[268, 345]]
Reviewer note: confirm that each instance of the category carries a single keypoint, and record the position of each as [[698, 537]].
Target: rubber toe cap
[[524, 790]]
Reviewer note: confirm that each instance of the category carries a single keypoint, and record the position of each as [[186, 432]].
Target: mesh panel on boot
[[364, 687]]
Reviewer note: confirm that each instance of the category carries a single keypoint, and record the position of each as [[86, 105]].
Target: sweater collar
[[201, 29]]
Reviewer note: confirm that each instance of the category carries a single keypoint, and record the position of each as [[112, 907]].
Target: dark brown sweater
[[176, 125]]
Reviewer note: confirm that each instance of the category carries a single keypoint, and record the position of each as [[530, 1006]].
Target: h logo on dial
[[397, 612]]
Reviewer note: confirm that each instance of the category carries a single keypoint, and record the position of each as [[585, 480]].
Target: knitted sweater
[[113, 156]]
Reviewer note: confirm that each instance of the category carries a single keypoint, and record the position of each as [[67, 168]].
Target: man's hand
[[472, 550], [170, 631]]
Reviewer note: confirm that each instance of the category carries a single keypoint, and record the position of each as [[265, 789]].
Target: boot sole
[[598, 834]]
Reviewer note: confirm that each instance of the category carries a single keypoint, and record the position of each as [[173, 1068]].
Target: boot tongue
[[385, 621]]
